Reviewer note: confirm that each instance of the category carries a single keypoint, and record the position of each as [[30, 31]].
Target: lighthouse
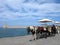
[[4, 25]]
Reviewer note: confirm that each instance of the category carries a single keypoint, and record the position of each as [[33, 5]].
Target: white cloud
[[15, 9]]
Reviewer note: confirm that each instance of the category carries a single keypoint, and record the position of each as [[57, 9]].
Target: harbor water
[[12, 32]]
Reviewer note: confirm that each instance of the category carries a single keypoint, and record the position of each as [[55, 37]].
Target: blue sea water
[[12, 32]]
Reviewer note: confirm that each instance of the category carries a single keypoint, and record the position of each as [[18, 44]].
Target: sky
[[28, 12]]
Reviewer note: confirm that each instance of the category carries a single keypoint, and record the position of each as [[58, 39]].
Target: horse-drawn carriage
[[42, 32]]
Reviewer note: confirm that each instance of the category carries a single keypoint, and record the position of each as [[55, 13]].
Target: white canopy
[[57, 22], [45, 20]]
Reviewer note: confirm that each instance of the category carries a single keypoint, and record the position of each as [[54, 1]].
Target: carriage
[[41, 31]]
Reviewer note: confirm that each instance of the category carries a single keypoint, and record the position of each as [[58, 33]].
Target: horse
[[43, 32], [32, 29]]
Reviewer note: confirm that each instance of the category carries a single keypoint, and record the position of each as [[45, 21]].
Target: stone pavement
[[25, 40]]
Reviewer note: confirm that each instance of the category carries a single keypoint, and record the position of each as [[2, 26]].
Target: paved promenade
[[25, 40]]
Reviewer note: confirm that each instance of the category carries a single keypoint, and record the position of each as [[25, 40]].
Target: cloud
[[39, 1], [22, 9]]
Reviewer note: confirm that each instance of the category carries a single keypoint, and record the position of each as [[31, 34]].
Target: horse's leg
[[48, 34], [58, 31], [36, 34], [33, 36], [40, 34], [45, 34]]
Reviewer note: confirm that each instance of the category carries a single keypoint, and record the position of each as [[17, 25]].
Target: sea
[[12, 32]]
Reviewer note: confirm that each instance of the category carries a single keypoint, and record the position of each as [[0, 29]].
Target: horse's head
[[32, 27]]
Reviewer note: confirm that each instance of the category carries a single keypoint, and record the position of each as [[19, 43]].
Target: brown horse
[[43, 32]]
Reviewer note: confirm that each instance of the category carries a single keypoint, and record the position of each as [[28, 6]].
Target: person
[[53, 30]]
